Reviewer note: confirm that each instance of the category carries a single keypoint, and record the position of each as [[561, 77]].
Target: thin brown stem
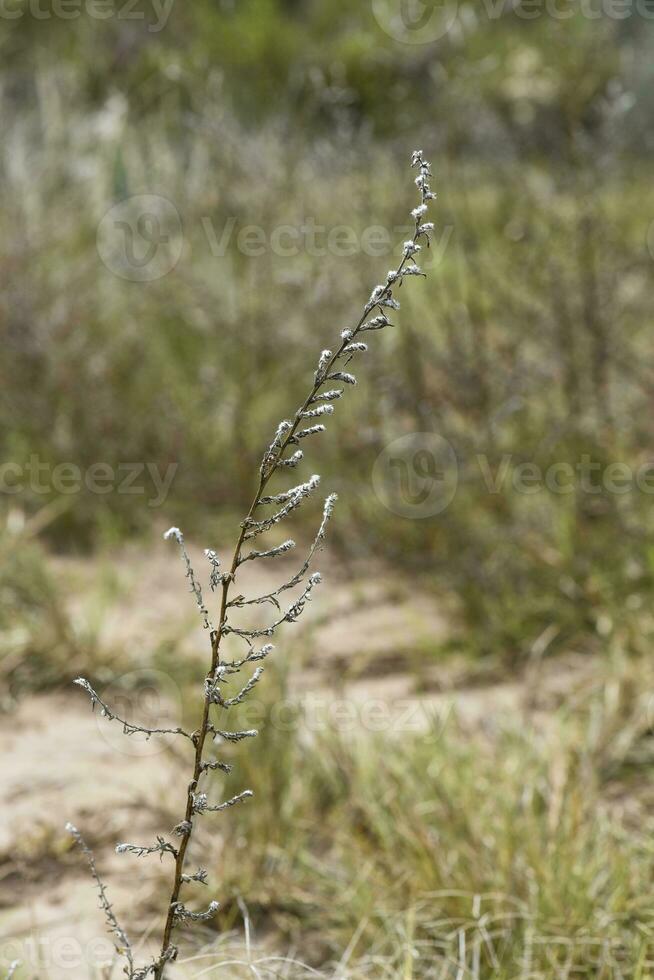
[[199, 738]]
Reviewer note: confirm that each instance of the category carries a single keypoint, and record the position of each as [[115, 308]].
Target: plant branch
[[314, 405]]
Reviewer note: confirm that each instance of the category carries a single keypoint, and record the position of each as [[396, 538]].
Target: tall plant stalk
[[318, 404]]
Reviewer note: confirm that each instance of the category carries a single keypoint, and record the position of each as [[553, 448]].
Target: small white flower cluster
[[293, 500], [201, 803], [312, 430], [174, 532], [327, 396], [215, 577], [426, 193], [303, 490], [232, 667], [313, 413], [212, 689], [275, 552], [324, 361], [291, 460], [161, 847], [209, 765], [233, 736], [343, 376], [183, 915], [377, 323], [276, 447], [200, 876]]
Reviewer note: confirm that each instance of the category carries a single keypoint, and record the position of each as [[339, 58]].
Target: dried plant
[[283, 453]]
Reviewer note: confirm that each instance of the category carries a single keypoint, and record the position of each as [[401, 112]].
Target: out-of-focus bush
[[527, 343], [39, 645]]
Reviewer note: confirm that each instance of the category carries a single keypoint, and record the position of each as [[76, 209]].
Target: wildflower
[[291, 460], [377, 294], [313, 413], [200, 876], [281, 549], [312, 430], [215, 577], [323, 362], [302, 490], [217, 681], [235, 736], [182, 914], [377, 323], [328, 396], [174, 532], [161, 847]]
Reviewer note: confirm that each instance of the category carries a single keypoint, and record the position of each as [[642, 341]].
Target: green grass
[[491, 851], [518, 847], [519, 844]]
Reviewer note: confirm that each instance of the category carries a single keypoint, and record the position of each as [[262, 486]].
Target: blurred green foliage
[[391, 845], [530, 339]]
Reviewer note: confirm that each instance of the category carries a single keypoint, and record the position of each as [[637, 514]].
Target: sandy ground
[[357, 647]]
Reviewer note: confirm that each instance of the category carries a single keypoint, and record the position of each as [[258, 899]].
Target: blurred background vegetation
[[530, 342], [531, 338]]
